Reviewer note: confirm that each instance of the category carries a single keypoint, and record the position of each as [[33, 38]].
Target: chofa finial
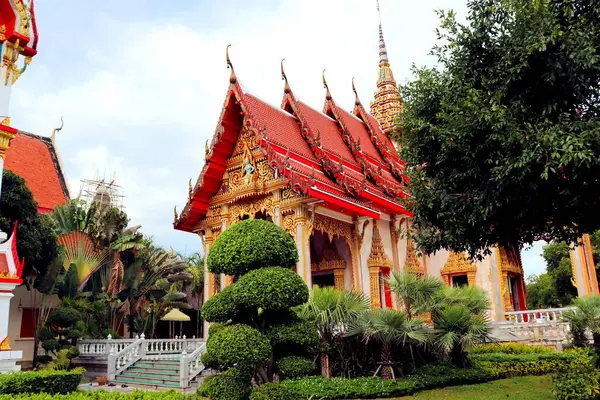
[[232, 77], [55, 130], [190, 188], [175, 215], [328, 95], [287, 88], [356, 100]]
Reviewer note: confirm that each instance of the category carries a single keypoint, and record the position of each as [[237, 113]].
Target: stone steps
[[151, 374]]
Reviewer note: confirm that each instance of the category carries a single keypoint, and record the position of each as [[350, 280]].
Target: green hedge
[[501, 365], [45, 381], [232, 384], [239, 344], [272, 391], [510, 348], [295, 367], [100, 395]]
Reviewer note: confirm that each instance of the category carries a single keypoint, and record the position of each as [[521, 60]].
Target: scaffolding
[[102, 190]]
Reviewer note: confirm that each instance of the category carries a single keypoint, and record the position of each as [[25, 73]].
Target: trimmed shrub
[[295, 367], [272, 391], [213, 328], [579, 383], [232, 384], [440, 375], [501, 365], [509, 348], [65, 316], [343, 388], [101, 395], [222, 307], [272, 289], [249, 245], [50, 345], [209, 361], [296, 338], [44, 381], [239, 344]]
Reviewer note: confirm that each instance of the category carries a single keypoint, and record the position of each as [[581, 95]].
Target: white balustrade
[[118, 362], [190, 364], [537, 316]]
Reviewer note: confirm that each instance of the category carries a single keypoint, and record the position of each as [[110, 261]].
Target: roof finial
[[328, 95], [287, 88], [62, 124], [232, 77], [383, 57], [356, 100]]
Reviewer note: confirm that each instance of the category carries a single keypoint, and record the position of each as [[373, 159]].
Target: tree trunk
[[325, 366], [386, 361], [596, 338], [459, 357]]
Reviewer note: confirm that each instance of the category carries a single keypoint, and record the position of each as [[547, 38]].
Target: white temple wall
[[365, 249]]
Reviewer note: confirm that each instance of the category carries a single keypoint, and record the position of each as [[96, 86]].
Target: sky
[[141, 83]]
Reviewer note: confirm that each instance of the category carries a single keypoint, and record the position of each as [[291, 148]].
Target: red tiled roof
[[359, 131], [34, 159]]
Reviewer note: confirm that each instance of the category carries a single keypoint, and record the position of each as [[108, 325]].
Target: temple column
[[226, 280], [276, 209], [303, 230], [471, 278], [506, 292], [584, 270], [338, 276], [209, 281], [374, 286]]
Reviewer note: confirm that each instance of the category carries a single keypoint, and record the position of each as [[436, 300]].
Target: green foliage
[[209, 361], [101, 395], [232, 384], [416, 291], [295, 367], [501, 365], [503, 135], [581, 382], [65, 316], [222, 307], [249, 245], [440, 375], [585, 317], [239, 344], [50, 345], [63, 358], [509, 348], [342, 388], [214, 328], [272, 289], [36, 241], [298, 337], [272, 391], [44, 381]]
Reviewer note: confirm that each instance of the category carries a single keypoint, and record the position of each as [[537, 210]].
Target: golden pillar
[[374, 286], [338, 276]]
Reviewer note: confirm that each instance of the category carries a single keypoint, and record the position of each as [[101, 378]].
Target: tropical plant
[[457, 329], [415, 291], [332, 312], [586, 317], [389, 327]]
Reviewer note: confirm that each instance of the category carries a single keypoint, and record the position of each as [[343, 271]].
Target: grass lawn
[[525, 388]]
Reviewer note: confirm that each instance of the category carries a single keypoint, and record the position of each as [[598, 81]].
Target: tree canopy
[[502, 139], [36, 241]]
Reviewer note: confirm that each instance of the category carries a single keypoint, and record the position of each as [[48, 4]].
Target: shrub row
[[510, 348], [500, 365], [99, 395], [44, 381]]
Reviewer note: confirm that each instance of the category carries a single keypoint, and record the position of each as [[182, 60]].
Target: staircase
[[151, 373]]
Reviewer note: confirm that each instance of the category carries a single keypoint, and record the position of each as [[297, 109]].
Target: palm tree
[[457, 329], [332, 311], [585, 317], [389, 327], [416, 291], [474, 298]]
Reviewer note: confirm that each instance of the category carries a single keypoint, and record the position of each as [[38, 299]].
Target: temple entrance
[[328, 267], [460, 280]]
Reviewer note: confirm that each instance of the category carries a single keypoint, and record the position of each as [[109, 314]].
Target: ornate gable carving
[[331, 260], [378, 257], [458, 263]]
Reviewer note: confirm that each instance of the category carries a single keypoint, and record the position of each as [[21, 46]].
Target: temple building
[[333, 179]]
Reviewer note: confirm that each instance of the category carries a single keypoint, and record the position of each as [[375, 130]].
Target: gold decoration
[[3, 32], [458, 263], [5, 138], [339, 279], [510, 261], [5, 344], [265, 205], [378, 257], [331, 260], [374, 286], [412, 264], [333, 227], [289, 225]]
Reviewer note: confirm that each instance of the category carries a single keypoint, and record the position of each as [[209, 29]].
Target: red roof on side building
[[34, 158]]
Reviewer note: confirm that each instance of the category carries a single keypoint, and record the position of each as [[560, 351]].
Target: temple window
[[460, 280], [459, 271]]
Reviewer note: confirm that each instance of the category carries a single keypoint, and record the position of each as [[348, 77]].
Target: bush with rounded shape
[[65, 316], [239, 344], [272, 391], [209, 361], [295, 367], [299, 337], [50, 344], [214, 328], [222, 307], [272, 288], [232, 384], [46, 335], [249, 245]]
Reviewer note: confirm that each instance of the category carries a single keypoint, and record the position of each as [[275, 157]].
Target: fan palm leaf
[[81, 252], [416, 291]]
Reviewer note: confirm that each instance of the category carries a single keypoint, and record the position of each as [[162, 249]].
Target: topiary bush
[[43, 381], [249, 245], [273, 391], [65, 316], [509, 348], [295, 337], [222, 307], [239, 344], [295, 367], [233, 384], [273, 289]]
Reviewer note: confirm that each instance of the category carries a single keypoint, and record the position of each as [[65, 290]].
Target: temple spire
[[383, 56], [386, 105]]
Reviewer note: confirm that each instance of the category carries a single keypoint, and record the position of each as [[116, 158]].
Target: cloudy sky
[[141, 83]]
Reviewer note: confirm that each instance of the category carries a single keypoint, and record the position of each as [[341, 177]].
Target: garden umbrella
[[176, 315]]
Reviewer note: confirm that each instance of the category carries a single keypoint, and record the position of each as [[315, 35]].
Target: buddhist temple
[[333, 179]]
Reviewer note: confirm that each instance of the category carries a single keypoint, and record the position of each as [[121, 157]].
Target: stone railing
[[120, 361], [170, 348], [101, 348], [190, 365], [537, 316]]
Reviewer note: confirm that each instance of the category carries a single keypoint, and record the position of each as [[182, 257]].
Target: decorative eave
[[457, 263], [8, 249], [334, 170], [377, 256]]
